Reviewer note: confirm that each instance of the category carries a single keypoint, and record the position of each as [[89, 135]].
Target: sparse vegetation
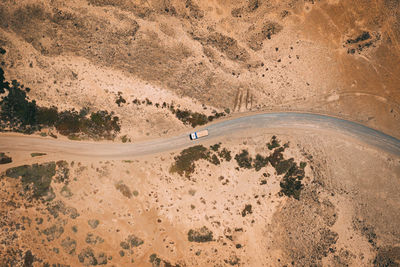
[[66, 192], [387, 257], [184, 163], [125, 139], [157, 261], [86, 257], [93, 240], [20, 114], [154, 260], [57, 207], [192, 118], [120, 100], [93, 223], [68, 245], [243, 159], [291, 185], [188, 117], [225, 154], [200, 235], [62, 172], [53, 232], [131, 242], [215, 147], [37, 154], [274, 143], [215, 160], [35, 178], [284, 165], [124, 189], [247, 210], [260, 162]]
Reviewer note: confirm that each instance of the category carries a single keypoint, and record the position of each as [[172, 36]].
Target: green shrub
[[215, 147], [155, 260], [243, 159], [184, 163], [291, 187], [125, 139], [225, 154], [36, 154], [4, 159], [124, 189], [260, 162], [47, 116], [131, 241], [274, 143], [53, 232], [68, 245], [215, 160], [200, 235], [37, 176], [284, 165], [93, 223], [247, 210], [22, 115], [276, 156], [87, 257], [192, 118], [120, 100], [93, 240]]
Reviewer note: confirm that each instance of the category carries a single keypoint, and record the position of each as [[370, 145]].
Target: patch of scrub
[[35, 178]]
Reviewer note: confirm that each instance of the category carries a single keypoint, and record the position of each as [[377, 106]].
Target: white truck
[[199, 134]]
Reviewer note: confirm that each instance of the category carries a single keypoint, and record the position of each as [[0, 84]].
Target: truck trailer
[[199, 134]]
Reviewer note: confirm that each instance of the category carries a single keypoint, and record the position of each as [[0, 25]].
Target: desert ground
[[131, 71]]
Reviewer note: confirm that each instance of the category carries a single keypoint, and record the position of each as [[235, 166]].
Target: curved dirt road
[[269, 121]]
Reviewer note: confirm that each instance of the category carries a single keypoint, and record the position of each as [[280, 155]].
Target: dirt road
[[267, 121]]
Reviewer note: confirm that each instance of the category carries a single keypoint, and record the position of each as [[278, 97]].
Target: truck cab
[[199, 134], [193, 136]]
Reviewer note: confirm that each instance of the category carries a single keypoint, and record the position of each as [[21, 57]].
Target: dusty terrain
[[346, 212], [334, 57], [132, 70]]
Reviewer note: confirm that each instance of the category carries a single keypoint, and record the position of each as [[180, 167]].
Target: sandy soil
[[346, 214], [334, 57], [324, 56]]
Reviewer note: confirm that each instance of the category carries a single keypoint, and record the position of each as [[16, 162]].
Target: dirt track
[[266, 120]]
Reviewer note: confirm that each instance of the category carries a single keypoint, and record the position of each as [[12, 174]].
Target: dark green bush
[[131, 242], [200, 235], [291, 187], [215, 147], [20, 114], [247, 210], [274, 143], [284, 165], [215, 160], [184, 163], [36, 177], [47, 116], [4, 159], [124, 189], [225, 154], [260, 162], [120, 100], [243, 159]]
